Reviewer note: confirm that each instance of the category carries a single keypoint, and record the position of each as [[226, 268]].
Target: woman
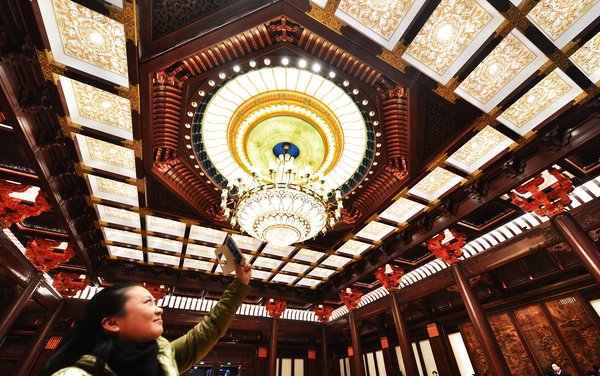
[[558, 371], [120, 334]]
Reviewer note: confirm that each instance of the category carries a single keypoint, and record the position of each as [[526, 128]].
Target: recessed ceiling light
[[196, 166], [187, 125], [445, 33], [302, 63], [267, 61], [201, 93], [187, 136], [331, 74], [316, 67], [371, 113], [190, 113], [355, 91], [194, 104], [252, 63], [211, 82], [96, 37], [346, 83], [236, 68], [285, 61], [221, 75], [376, 123], [365, 102]]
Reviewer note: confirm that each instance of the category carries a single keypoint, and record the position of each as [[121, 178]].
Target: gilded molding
[[394, 58], [446, 93], [130, 21], [516, 17], [50, 69], [326, 16]]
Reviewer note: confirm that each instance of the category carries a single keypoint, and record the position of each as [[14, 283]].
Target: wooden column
[[273, 348], [580, 242], [408, 355], [358, 367], [324, 352], [442, 352], [482, 327], [389, 358], [14, 310], [27, 362]]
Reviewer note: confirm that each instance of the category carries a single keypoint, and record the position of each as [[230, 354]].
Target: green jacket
[[181, 354]]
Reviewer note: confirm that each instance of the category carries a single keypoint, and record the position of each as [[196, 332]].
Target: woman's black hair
[[88, 336]]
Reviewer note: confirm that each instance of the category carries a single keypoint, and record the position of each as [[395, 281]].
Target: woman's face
[[142, 321], [555, 367]]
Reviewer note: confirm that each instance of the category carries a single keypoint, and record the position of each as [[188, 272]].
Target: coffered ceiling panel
[[455, 30], [274, 250], [86, 40], [383, 21], [159, 258], [97, 109], [308, 282], [164, 244], [120, 236], [402, 210], [336, 261], [502, 71], [126, 253], [308, 255], [543, 100], [480, 149], [165, 226], [437, 183], [587, 58], [562, 20], [106, 156], [112, 190], [208, 235], [200, 251], [205, 266], [375, 231], [353, 247], [118, 216]]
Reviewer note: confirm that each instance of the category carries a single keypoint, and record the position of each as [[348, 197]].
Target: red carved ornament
[[390, 279], [550, 203], [67, 284], [275, 307], [13, 210], [448, 252], [323, 312], [156, 290], [44, 256], [351, 298]]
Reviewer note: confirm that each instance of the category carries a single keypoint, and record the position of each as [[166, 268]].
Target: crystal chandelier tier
[[284, 207]]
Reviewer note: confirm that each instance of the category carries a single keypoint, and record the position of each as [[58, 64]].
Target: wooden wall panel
[[540, 337], [512, 348], [577, 328], [475, 353]]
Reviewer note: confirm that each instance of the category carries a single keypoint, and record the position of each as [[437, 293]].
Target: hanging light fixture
[[284, 207]]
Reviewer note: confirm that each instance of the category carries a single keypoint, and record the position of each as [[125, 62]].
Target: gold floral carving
[[434, 181], [102, 106], [121, 214], [375, 230], [556, 16], [326, 16], [480, 145], [393, 58], [117, 188], [446, 93], [111, 154], [401, 207], [50, 69], [91, 37], [537, 99], [516, 17], [380, 16], [587, 57], [130, 21], [509, 58], [560, 60], [447, 33]]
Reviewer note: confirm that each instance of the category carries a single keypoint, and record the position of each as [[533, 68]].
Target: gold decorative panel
[[166, 226], [555, 17], [106, 156], [402, 210], [509, 58], [545, 98], [434, 185], [381, 16], [587, 58], [102, 106], [91, 37], [447, 33], [123, 252], [116, 188], [336, 261], [207, 234], [308, 255], [375, 231], [118, 216], [352, 247], [481, 148]]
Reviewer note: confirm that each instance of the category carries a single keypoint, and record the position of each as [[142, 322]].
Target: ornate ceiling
[[420, 112]]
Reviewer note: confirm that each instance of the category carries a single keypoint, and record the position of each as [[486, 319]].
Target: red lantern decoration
[[541, 203], [67, 284], [44, 256], [275, 307], [13, 210], [351, 297], [389, 276], [156, 290], [448, 252], [323, 312]]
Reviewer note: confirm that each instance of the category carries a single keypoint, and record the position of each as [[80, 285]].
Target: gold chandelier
[[284, 207]]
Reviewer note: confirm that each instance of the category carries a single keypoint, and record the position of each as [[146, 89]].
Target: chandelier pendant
[[284, 207]]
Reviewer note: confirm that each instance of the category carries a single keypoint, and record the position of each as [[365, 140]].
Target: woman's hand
[[243, 273]]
